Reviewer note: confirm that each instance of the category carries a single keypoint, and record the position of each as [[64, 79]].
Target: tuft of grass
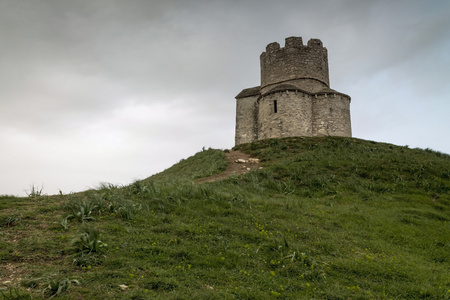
[[14, 293], [35, 191], [9, 221], [65, 223], [55, 287], [88, 240], [82, 210]]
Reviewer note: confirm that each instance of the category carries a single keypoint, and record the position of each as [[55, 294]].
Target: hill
[[325, 218]]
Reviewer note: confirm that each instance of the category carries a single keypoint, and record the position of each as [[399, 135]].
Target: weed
[[127, 209], [107, 187], [55, 287], [65, 223], [14, 293], [282, 249], [88, 240], [11, 221], [82, 211], [97, 202], [285, 187], [35, 191], [86, 260]]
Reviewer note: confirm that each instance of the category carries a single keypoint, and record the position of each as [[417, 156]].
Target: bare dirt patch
[[238, 163]]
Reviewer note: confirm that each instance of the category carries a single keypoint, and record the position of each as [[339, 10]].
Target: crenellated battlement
[[315, 43], [272, 48], [305, 66], [292, 42]]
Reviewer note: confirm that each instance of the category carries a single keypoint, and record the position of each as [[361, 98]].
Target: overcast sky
[[113, 91]]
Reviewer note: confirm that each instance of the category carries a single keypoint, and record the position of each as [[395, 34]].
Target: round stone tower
[[294, 98], [305, 67]]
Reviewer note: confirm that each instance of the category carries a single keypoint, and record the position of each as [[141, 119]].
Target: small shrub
[[281, 248], [65, 223], [127, 210], [56, 287], [14, 293], [82, 211], [138, 188], [97, 202], [109, 191], [86, 260], [88, 240], [10, 221], [35, 191]]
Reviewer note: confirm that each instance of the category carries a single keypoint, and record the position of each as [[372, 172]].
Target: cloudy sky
[[113, 91]]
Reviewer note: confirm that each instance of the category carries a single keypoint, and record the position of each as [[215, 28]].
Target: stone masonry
[[294, 98]]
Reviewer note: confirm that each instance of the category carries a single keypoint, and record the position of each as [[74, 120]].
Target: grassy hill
[[325, 218]]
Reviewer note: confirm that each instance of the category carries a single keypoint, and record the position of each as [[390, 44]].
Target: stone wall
[[295, 61], [291, 118], [331, 115], [246, 120]]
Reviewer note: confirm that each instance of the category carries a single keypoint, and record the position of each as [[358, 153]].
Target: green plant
[[127, 209], [65, 223], [82, 211], [88, 240], [282, 249], [83, 259], [14, 293], [35, 191], [96, 203], [10, 221], [55, 287]]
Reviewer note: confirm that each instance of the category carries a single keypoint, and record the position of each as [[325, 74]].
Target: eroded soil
[[235, 166]]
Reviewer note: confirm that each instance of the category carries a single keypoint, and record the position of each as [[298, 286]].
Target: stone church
[[294, 98]]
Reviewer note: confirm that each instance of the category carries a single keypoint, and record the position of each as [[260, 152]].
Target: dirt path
[[238, 163]]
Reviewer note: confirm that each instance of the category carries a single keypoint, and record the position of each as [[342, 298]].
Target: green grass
[[326, 218]]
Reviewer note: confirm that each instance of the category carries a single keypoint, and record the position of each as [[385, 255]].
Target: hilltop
[[321, 217]]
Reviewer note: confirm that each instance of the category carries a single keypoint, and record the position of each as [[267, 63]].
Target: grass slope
[[326, 218]]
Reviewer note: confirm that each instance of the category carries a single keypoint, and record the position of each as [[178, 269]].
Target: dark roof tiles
[[254, 91]]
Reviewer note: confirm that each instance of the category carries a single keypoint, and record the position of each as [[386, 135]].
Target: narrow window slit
[[275, 108]]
